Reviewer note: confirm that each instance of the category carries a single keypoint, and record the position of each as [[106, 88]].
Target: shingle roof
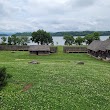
[[108, 47], [100, 45], [39, 48], [104, 45], [95, 45]]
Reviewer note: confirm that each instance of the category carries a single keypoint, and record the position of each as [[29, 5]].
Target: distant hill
[[24, 34], [73, 33], [6, 33], [3, 34], [80, 33]]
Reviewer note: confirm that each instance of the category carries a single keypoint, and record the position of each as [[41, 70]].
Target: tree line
[[42, 37], [14, 40], [70, 40], [80, 33], [72, 33]]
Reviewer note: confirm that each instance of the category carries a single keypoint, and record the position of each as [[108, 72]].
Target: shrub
[[3, 77]]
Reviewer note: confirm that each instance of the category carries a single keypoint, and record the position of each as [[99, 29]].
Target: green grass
[[57, 83]]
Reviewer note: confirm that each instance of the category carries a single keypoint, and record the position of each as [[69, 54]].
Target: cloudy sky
[[54, 15]]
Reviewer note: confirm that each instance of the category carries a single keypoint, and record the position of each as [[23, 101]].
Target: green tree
[[14, 39], [41, 37], [69, 40], [9, 41], [96, 36], [18, 41], [90, 37], [3, 40], [79, 40], [48, 39], [23, 40]]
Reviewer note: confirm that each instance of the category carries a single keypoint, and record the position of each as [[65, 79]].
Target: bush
[[3, 77]]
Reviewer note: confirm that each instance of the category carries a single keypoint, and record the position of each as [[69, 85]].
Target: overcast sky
[[54, 15]]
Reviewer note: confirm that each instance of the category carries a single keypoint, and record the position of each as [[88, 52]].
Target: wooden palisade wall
[[75, 49], [53, 49]]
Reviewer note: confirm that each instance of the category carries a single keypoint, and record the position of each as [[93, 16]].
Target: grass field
[[57, 83]]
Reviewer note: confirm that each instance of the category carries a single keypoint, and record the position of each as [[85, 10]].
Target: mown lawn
[[57, 83]]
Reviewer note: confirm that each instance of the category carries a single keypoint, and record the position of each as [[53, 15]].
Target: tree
[[48, 39], [41, 37], [3, 40], [69, 40], [9, 41], [79, 40], [14, 39], [18, 41], [23, 40], [96, 36], [90, 37]]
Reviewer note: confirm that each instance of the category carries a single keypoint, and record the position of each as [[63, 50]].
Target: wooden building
[[108, 52], [53, 49], [100, 49], [14, 47], [39, 49], [93, 48], [75, 49]]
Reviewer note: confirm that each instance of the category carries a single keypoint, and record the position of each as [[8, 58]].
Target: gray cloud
[[54, 15], [85, 3]]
